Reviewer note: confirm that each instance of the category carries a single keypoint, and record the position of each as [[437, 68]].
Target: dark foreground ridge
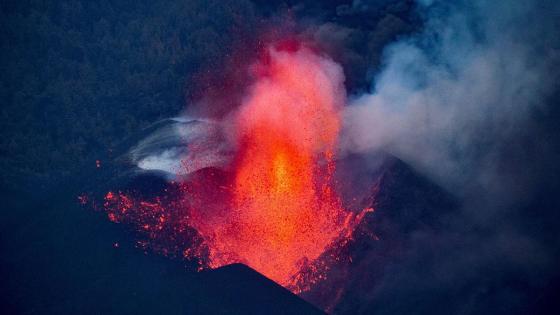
[[261, 295], [59, 258]]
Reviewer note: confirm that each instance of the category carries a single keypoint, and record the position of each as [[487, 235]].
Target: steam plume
[[465, 102], [448, 97]]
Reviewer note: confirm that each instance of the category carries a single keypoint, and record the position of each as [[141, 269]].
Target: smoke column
[[448, 96], [465, 102]]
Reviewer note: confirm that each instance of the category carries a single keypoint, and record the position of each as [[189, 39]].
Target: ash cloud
[[449, 97], [470, 102]]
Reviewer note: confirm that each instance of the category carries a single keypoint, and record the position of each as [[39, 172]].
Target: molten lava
[[284, 212], [275, 207]]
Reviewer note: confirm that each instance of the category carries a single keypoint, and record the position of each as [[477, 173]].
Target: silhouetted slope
[[429, 257], [61, 258], [407, 206], [260, 295]]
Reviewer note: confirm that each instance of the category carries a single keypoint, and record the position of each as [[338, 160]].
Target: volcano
[[264, 187], [405, 202], [275, 203]]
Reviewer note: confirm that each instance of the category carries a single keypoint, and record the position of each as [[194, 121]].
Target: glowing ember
[[275, 208]]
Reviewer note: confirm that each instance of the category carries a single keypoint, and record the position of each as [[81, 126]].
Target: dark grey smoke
[[447, 97], [471, 103]]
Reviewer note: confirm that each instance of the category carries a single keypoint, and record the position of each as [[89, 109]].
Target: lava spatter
[[275, 206], [284, 211]]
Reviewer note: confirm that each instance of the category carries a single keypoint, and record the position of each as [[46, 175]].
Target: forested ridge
[[79, 76]]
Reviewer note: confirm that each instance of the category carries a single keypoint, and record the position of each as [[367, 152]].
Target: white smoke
[[181, 146], [447, 97]]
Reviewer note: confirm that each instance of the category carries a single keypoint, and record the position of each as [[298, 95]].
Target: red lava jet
[[275, 208]]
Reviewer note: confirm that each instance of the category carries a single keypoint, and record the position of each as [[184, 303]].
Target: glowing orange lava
[[275, 207], [284, 212]]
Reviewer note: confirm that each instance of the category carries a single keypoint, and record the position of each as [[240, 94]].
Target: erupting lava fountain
[[275, 207], [284, 211]]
